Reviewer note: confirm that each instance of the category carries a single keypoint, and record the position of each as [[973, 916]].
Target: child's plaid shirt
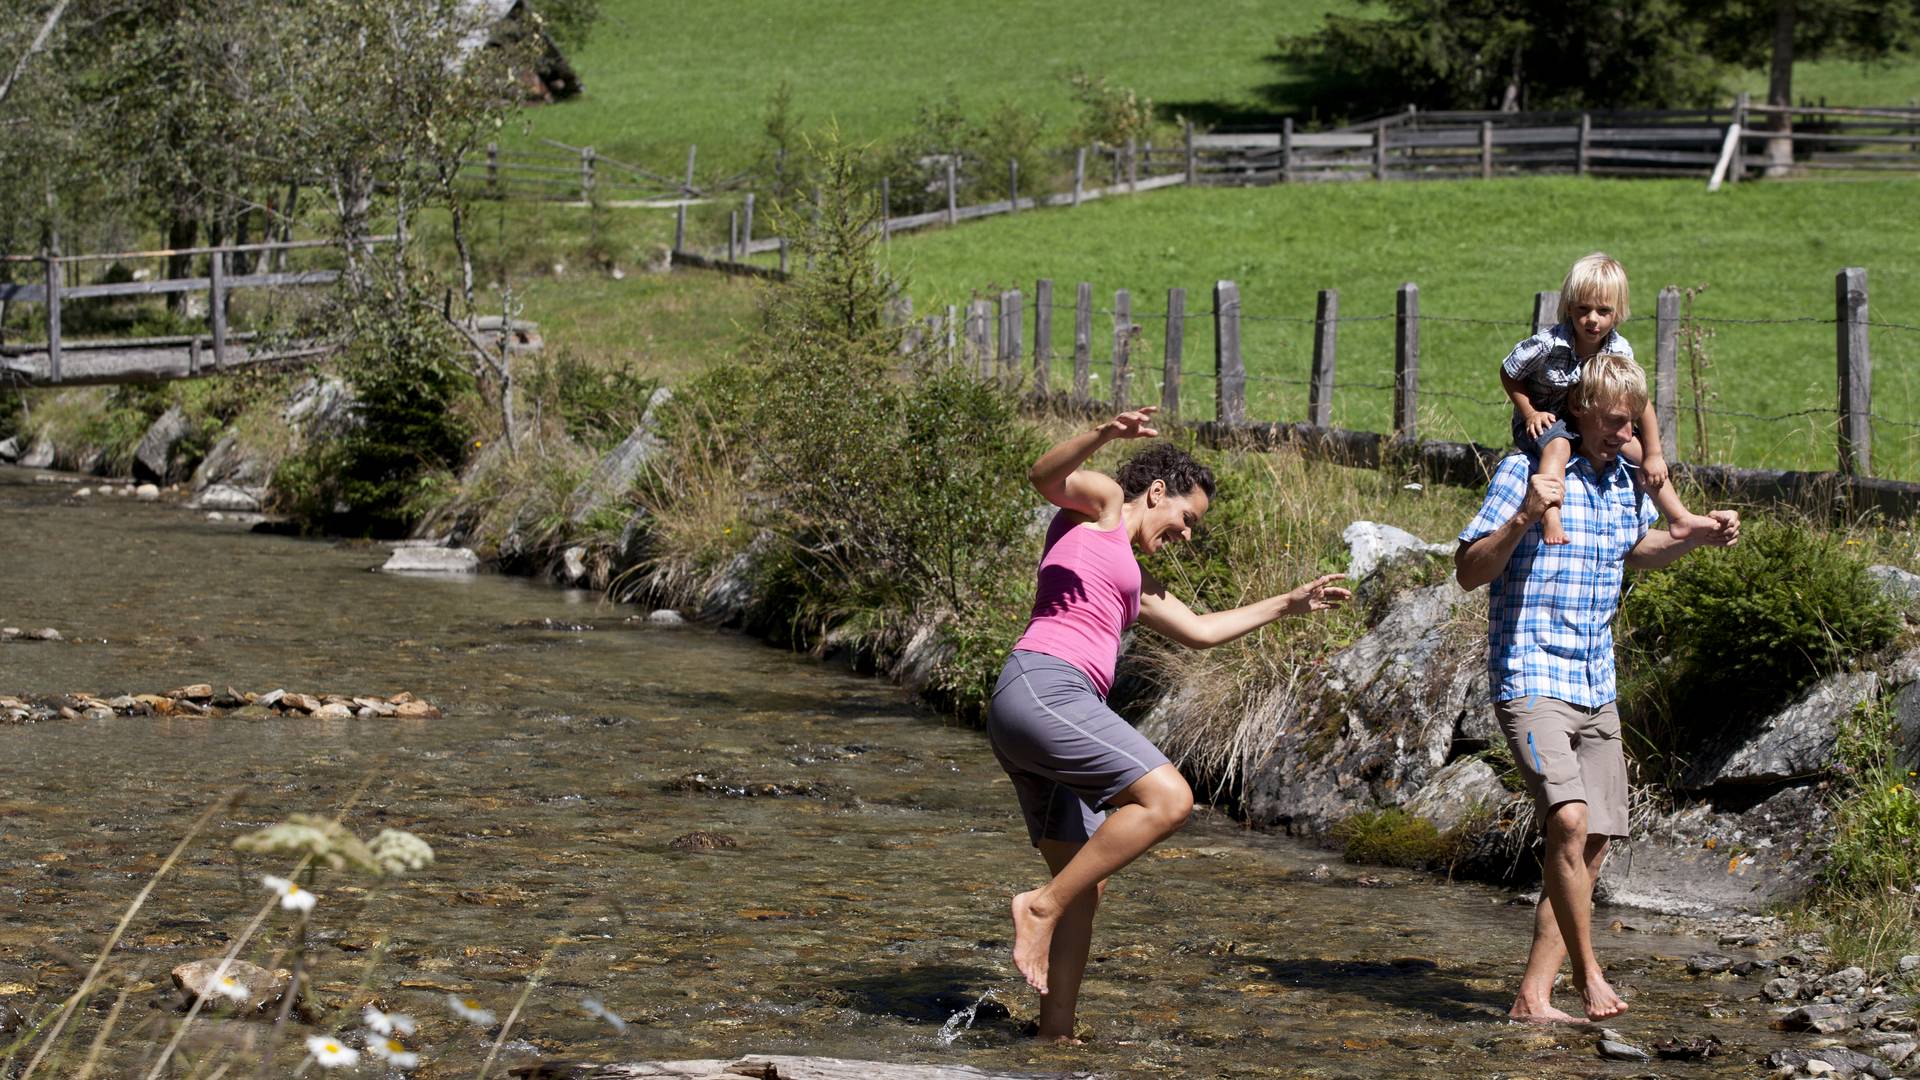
[[1550, 612]]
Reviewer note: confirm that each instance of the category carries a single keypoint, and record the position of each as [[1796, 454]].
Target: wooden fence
[[581, 175], [988, 337], [147, 359]]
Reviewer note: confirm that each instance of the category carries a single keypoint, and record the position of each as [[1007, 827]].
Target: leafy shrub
[[1393, 837], [1869, 894], [598, 406]]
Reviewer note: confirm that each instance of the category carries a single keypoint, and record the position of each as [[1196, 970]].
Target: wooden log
[[1326, 333], [1123, 331], [1229, 371], [1406, 362], [1546, 309], [1666, 371], [1855, 372], [1170, 365], [1042, 333], [217, 306], [1083, 342], [102, 366]]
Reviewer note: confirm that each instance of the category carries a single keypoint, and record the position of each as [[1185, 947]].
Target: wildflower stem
[[514, 1014]]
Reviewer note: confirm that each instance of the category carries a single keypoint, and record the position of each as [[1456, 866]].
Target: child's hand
[[1653, 472], [1538, 423]]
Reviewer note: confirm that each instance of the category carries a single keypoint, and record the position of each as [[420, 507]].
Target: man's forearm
[[1658, 548], [1481, 561]]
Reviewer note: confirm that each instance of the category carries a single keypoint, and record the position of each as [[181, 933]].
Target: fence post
[[493, 169], [1010, 348], [746, 228], [953, 317], [886, 209], [953, 207], [1546, 309], [1082, 342], [217, 305], [680, 228], [1229, 373], [982, 347], [1286, 149], [1122, 347], [1380, 153], [53, 311], [1326, 335], [586, 174], [1170, 369], [1133, 164], [1666, 371], [733, 235], [1013, 185], [1042, 334], [1486, 149], [1740, 142], [1079, 173], [1856, 372], [1406, 362], [692, 149], [1193, 161]]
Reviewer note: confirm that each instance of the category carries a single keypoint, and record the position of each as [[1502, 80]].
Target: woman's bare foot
[[1032, 939], [1602, 1002], [1551, 531], [1540, 1012]]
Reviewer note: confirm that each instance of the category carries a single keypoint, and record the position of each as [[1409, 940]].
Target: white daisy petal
[[229, 987], [292, 896], [470, 1010], [331, 1053], [393, 1053], [385, 1023]]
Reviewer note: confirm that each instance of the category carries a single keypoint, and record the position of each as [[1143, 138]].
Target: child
[[1539, 370]]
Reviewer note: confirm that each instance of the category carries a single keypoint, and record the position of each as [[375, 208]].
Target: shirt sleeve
[[1619, 345], [1526, 357], [1505, 493]]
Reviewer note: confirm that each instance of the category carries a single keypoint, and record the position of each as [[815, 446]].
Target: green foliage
[[914, 163], [407, 374], [1110, 114], [1393, 837], [1869, 893], [596, 405], [1506, 54]]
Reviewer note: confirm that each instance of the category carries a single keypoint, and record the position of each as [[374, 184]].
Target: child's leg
[[1553, 465], [1681, 522]]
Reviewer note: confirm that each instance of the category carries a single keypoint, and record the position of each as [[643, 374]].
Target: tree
[[1775, 33], [1506, 55]]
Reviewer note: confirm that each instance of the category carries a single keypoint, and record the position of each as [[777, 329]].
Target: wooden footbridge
[[61, 360]]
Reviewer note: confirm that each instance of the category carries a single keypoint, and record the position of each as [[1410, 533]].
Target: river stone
[[39, 455], [1825, 1019], [153, 458], [305, 703], [1901, 586], [229, 463], [1699, 860], [229, 497], [1844, 981], [333, 712], [1371, 544], [666, 617], [1709, 963], [193, 691], [1896, 1053], [573, 564], [1794, 744], [147, 493], [415, 710], [1619, 1051], [431, 560], [1463, 786], [263, 987], [323, 407], [614, 474], [10, 449], [1842, 1062]]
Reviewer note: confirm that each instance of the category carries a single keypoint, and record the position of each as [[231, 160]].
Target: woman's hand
[[1132, 425], [1320, 594]]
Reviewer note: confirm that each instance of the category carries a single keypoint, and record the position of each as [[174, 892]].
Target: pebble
[[1825, 1019], [1619, 1051], [1709, 963], [666, 617], [1908, 963], [147, 493]]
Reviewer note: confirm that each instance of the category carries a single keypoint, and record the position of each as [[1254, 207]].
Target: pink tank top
[[1089, 593]]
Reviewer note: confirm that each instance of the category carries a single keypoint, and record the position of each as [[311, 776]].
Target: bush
[[1393, 837], [1742, 631], [1869, 893]]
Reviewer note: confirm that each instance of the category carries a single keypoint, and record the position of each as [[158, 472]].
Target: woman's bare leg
[[1148, 811], [1067, 957]]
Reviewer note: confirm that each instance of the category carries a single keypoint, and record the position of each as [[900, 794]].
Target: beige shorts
[[1569, 754]]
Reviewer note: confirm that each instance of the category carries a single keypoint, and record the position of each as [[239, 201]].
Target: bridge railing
[[218, 283]]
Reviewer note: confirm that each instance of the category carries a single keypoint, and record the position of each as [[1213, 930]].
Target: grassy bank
[[1479, 251]]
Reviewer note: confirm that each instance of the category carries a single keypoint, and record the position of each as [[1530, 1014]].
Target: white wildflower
[[395, 850], [470, 1010], [229, 987], [384, 1023], [292, 896], [389, 1050], [595, 1007], [330, 1052]]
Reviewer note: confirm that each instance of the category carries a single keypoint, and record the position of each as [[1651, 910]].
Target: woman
[[1069, 755]]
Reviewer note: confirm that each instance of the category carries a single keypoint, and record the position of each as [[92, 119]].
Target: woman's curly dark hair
[[1164, 461]]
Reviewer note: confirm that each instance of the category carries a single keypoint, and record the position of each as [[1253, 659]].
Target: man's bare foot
[[1032, 938], [1602, 1002], [1551, 531], [1539, 1013]]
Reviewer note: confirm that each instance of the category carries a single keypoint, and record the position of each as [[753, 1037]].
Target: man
[[1550, 657]]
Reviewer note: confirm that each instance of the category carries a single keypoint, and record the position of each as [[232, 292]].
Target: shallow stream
[[860, 914]]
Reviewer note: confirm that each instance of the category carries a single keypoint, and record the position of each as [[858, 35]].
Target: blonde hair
[[1609, 379], [1598, 279]]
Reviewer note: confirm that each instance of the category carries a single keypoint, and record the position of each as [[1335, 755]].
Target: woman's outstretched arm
[[1164, 613], [1058, 476]]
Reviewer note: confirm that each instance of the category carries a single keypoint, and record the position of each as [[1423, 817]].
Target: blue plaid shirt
[[1550, 622]]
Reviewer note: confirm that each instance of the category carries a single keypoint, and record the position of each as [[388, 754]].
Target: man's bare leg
[[1572, 865], [1681, 522], [1067, 958], [1151, 809], [1553, 465]]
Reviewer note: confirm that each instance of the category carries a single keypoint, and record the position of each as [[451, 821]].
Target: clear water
[[863, 918]]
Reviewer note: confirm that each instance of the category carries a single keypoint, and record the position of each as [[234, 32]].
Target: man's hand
[[1653, 472], [1132, 425], [1543, 494], [1538, 422]]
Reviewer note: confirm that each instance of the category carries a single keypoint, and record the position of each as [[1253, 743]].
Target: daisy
[[229, 987], [594, 1007], [330, 1052], [382, 1023], [470, 1010], [292, 897], [390, 1051]]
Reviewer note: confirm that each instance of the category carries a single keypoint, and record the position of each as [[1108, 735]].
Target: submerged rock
[[250, 987], [1614, 1050], [702, 841], [431, 560], [1839, 1060]]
